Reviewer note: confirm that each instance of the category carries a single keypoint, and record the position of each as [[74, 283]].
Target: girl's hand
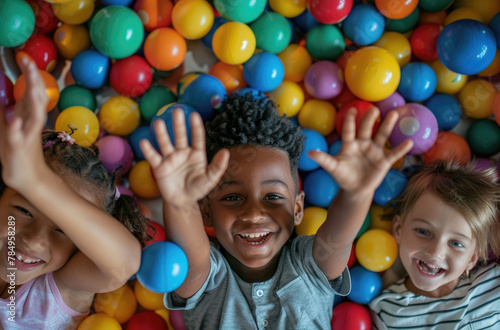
[[20, 140], [181, 172], [362, 162]]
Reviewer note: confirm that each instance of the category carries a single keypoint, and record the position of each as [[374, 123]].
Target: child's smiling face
[[436, 246], [255, 207]]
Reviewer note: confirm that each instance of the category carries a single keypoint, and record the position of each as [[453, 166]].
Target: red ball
[[352, 257], [45, 19], [131, 76], [362, 107], [6, 91], [42, 50], [147, 320], [352, 316], [156, 231], [448, 146], [329, 11], [423, 41]]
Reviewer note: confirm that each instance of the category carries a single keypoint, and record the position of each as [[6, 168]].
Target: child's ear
[[473, 261], [299, 208], [205, 212], [396, 228]]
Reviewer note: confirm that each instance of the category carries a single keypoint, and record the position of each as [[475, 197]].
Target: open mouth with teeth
[[27, 260], [255, 238], [428, 269]]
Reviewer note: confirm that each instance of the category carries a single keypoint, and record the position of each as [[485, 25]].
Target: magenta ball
[[115, 154], [124, 191], [176, 319], [417, 123], [392, 102], [483, 164], [324, 80]]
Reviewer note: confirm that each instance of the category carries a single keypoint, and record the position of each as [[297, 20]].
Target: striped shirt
[[474, 304]]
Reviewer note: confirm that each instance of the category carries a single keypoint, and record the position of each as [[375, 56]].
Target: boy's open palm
[[181, 171], [362, 162]]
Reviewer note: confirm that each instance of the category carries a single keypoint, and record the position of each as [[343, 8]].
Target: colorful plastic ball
[[404, 25], [438, 17], [71, 40], [165, 114], [207, 39], [423, 41], [365, 285], [154, 14], [204, 93], [449, 146], [116, 31], [156, 231], [329, 11], [365, 226], [142, 182], [418, 82], [476, 98], [272, 32], [83, 121], [76, 95], [362, 108], [115, 154], [42, 50], [318, 115], [296, 61], [147, 320], [364, 25], [391, 187], [146, 298], [320, 188], [288, 8], [231, 76], [119, 115], [394, 101], [288, 97], [305, 21], [117, 2], [51, 88], [416, 123], [376, 250], [155, 98], [45, 19], [493, 69], [446, 109], [74, 12], [483, 137], [6, 91], [164, 266], [396, 9], [256, 94], [131, 76], [466, 46], [372, 66], [120, 304], [17, 22], [334, 148], [325, 42], [378, 221], [313, 141], [495, 27], [264, 71], [140, 133], [487, 8], [496, 107], [90, 69], [448, 82], [177, 320], [99, 321], [434, 5], [463, 13], [324, 80], [165, 49], [234, 43], [193, 19], [313, 219], [396, 44], [242, 11], [352, 316]]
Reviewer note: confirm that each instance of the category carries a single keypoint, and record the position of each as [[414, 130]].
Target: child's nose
[[436, 249], [253, 211], [35, 238]]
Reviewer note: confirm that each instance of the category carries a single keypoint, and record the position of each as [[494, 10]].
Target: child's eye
[[272, 197], [24, 211], [231, 198], [422, 232], [457, 244]]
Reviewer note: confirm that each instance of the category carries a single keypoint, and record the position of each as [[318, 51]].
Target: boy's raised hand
[[181, 171], [362, 163]]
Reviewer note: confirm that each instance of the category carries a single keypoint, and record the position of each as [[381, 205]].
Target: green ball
[[77, 95], [434, 5], [155, 98], [325, 42], [272, 32], [483, 137], [17, 22], [243, 11], [365, 226], [405, 24], [116, 31]]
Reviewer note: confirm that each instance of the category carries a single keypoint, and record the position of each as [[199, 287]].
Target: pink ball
[[392, 102], [177, 320], [324, 80], [115, 153], [417, 123]]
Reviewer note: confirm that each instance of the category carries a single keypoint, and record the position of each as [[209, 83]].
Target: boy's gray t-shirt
[[298, 296]]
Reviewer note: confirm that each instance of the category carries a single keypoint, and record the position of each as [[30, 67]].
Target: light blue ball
[[446, 109], [166, 115], [313, 141], [264, 71], [320, 188], [90, 69], [365, 285], [364, 25], [418, 82], [391, 187]]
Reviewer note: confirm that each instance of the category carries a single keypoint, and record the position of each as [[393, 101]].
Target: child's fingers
[[217, 167], [326, 161], [399, 151], [163, 138], [385, 129], [349, 127], [150, 153], [197, 132], [366, 126], [180, 131]]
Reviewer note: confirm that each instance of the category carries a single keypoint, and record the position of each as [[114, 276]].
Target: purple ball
[[324, 80], [483, 164], [115, 152], [417, 123], [392, 102]]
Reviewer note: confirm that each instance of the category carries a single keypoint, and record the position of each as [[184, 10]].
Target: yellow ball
[[318, 115], [372, 74], [376, 213], [476, 98], [74, 12], [71, 40], [376, 250], [313, 219], [289, 98], [119, 304], [288, 8], [142, 182], [148, 299], [119, 115], [448, 82], [99, 321], [165, 314], [83, 121], [463, 13], [234, 43], [296, 61], [193, 19], [396, 44], [486, 8]]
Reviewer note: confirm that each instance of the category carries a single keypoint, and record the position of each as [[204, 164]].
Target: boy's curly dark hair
[[250, 120]]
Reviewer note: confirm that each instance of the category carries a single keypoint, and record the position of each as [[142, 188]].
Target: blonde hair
[[475, 194]]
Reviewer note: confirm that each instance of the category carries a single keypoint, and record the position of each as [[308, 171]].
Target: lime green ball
[[77, 95], [483, 137], [17, 22], [272, 32], [405, 24], [243, 11], [325, 42], [155, 98], [116, 31]]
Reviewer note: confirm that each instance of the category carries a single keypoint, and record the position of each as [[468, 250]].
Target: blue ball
[[305, 21], [446, 109], [364, 25], [313, 141], [365, 285], [164, 266], [391, 187], [207, 39], [140, 133], [204, 93], [264, 71], [418, 82], [320, 188], [166, 115], [256, 94], [495, 27], [90, 69], [466, 46], [334, 148], [116, 2]]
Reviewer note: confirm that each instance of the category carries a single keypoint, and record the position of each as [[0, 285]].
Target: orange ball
[[437, 17], [165, 49], [448, 146], [71, 40], [296, 61], [51, 88], [396, 9], [154, 13], [119, 304], [231, 76], [493, 68], [142, 182]]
